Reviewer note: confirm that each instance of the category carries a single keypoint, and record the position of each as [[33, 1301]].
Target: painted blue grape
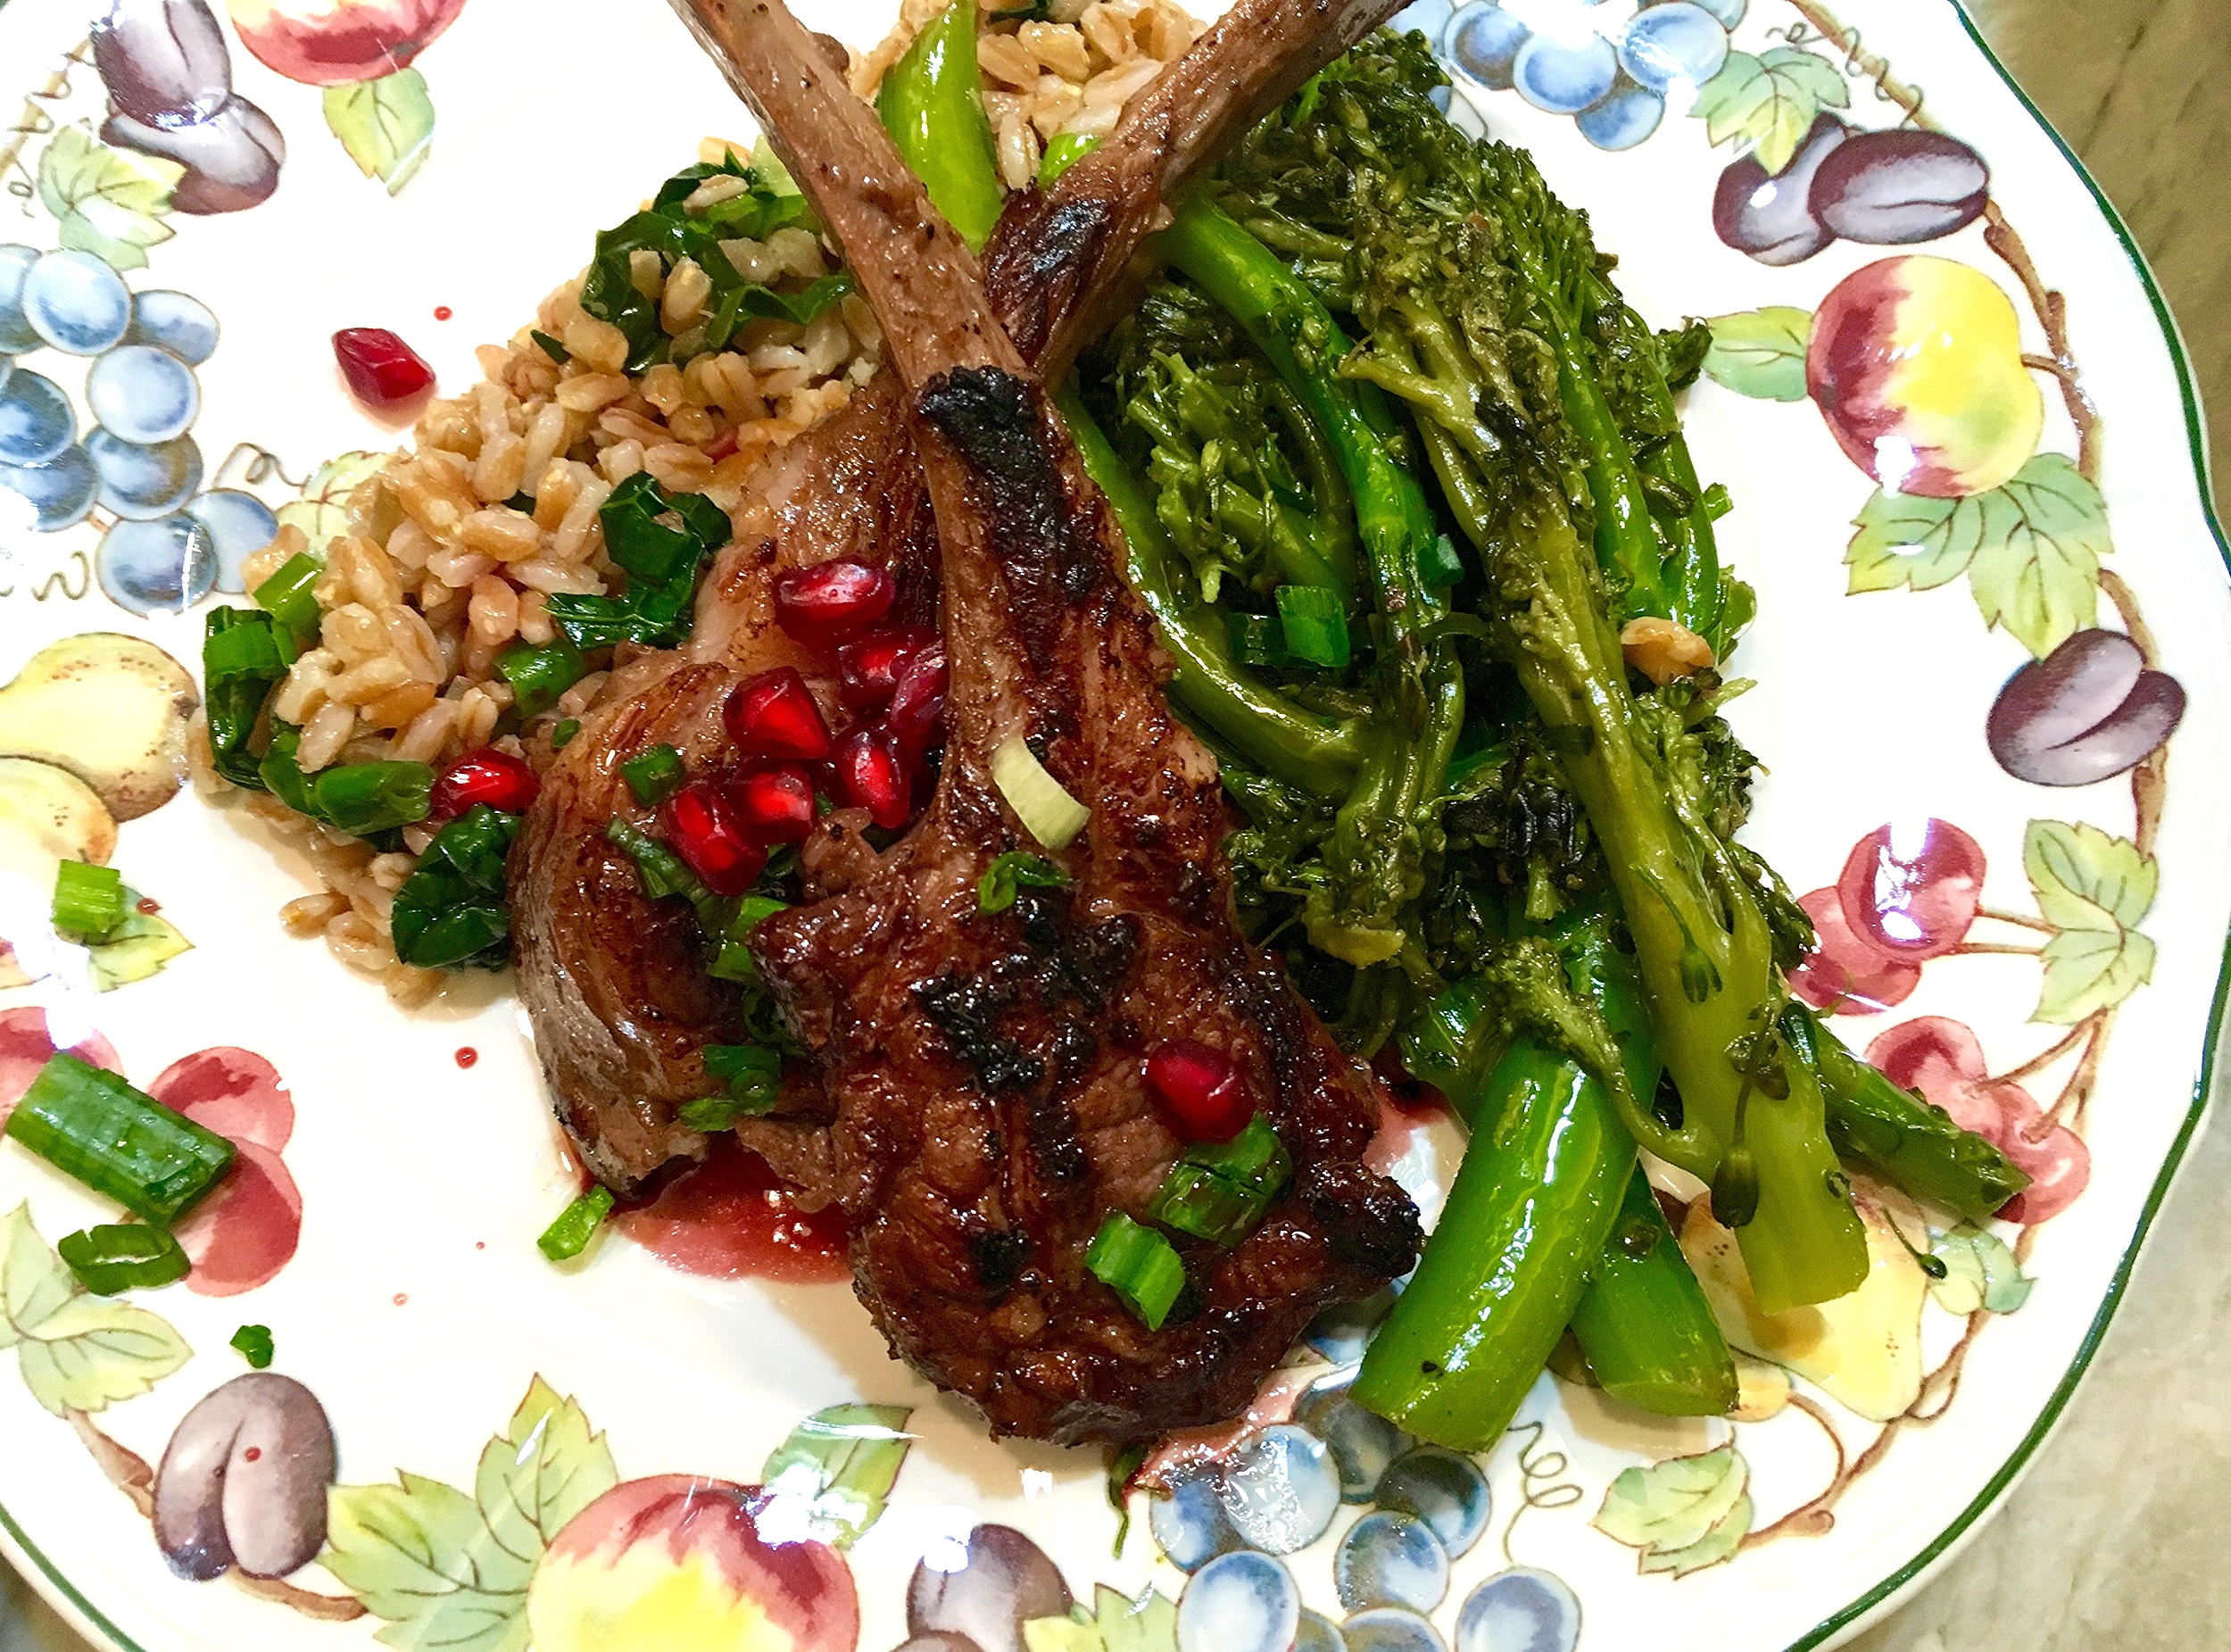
[[1391, 1629], [239, 525], [167, 565], [1317, 1634], [1425, 17], [177, 322], [1190, 1524], [1563, 79], [1729, 12], [76, 303], [60, 491], [1483, 41], [1240, 1602], [1281, 1490], [1391, 1560], [1622, 117], [1443, 1489], [140, 482], [1673, 43], [1362, 1442], [1342, 1331], [143, 395], [35, 422], [16, 337], [1521, 1610]]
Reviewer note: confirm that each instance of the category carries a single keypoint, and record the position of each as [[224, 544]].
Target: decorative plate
[[1971, 684]]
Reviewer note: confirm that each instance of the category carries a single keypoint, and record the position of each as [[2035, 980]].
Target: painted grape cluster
[[133, 458]]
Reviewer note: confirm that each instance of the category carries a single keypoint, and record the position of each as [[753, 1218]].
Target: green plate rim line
[[80, 1607], [2195, 432]]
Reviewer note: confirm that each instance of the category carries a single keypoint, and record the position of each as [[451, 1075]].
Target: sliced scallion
[[125, 1256], [1220, 1190], [539, 675], [364, 798], [290, 595], [660, 868], [91, 1125], [254, 1344], [551, 347], [569, 1235], [1064, 149], [1138, 1265], [1315, 623], [653, 774], [562, 737], [754, 1073], [88, 900], [1048, 812], [1009, 873]]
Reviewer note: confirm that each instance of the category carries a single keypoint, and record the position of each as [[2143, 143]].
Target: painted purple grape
[[1006, 1581], [1772, 218], [177, 322], [165, 566], [141, 483], [1563, 79], [1673, 43], [1900, 187], [938, 1640], [1443, 1489], [1521, 1610], [162, 61], [59, 491], [239, 524], [2087, 711], [1363, 1443], [243, 1483], [1391, 1560], [143, 395], [76, 303], [1622, 117], [1483, 41], [1281, 1490], [1240, 1602], [1317, 1634], [1190, 1524], [232, 159], [17, 336], [1391, 1629], [35, 421]]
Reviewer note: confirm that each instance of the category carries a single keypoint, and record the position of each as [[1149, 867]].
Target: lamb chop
[[985, 1069], [613, 982]]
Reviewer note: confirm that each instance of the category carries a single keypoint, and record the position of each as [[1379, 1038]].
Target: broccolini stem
[[1649, 1333]]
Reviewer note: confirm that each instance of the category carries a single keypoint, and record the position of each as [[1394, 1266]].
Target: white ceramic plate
[[2072, 1019]]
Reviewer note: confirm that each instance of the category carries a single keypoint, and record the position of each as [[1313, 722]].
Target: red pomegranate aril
[[868, 670], [873, 776], [1198, 1091], [776, 804], [702, 826], [774, 714], [487, 776], [835, 599], [382, 371], [917, 704]]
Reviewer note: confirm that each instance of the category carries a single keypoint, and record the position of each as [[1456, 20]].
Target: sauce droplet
[[253, 1454], [442, 312], [149, 905], [731, 1218], [467, 1055], [401, 1298]]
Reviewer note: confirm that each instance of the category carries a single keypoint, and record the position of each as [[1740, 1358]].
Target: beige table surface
[[2114, 1542]]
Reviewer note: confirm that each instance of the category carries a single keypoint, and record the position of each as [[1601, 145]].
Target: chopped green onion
[[1257, 640], [568, 1236], [1138, 1265], [88, 900], [281, 776], [539, 675], [1064, 151], [1220, 1190], [1254, 1159], [1001, 881], [254, 1344], [653, 776], [92, 1125], [733, 1064], [244, 656], [735, 962], [125, 1257], [551, 348], [1439, 564], [290, 595], [364, 798], [754, 1073], [659, 868], [1315, 624], [452, 911], [562, 737], [1048, 813]]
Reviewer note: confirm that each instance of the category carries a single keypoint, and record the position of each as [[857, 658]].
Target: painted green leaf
[[1770, 102], [842, 1461], [93, 1351], [2086, 970], [110, 202], [2037, 571], [135, 950], [323, 510], [1115, 1622], [541, 1471], [1905, 540], [34, 1284], [1670, 1505], [2085, 879], [1715, 1545], [387, 125], [1980, 1272], [1761, 353], [420, 1554]]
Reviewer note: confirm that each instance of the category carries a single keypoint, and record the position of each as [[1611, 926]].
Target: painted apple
[[1916, 363], [678, 1564], [339, 42]]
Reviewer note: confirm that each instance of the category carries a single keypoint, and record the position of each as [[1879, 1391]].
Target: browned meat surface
[[985, 1071]]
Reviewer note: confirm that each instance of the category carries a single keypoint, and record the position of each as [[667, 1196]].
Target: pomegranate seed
[[917, 704], [835, 599], [502, 782], [382, 371], [702, 826], [1198, 1091], [874, 776], [774, 714], [775, 805], [868, 670]]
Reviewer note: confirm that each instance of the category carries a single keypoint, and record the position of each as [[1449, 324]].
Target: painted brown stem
[[126, 1469], [326, 1608], [35, 121]]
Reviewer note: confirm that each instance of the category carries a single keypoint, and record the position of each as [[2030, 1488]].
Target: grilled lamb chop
[[614, 984], [986, 1070]]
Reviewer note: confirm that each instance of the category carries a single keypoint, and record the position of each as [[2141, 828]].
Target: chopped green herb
[[1007, 873], [364, 798], [244, 656], [754, 1073], [661, 542], [88, 900], [562, 737], [1138, 1265], [254, 1344], [125, 1256], [551, 348], [1315, 624], [653, 776], [734, 961], [452, 911], [539, 675], [90, 1124], [569, 1235], [659, 868], [290, 595]]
